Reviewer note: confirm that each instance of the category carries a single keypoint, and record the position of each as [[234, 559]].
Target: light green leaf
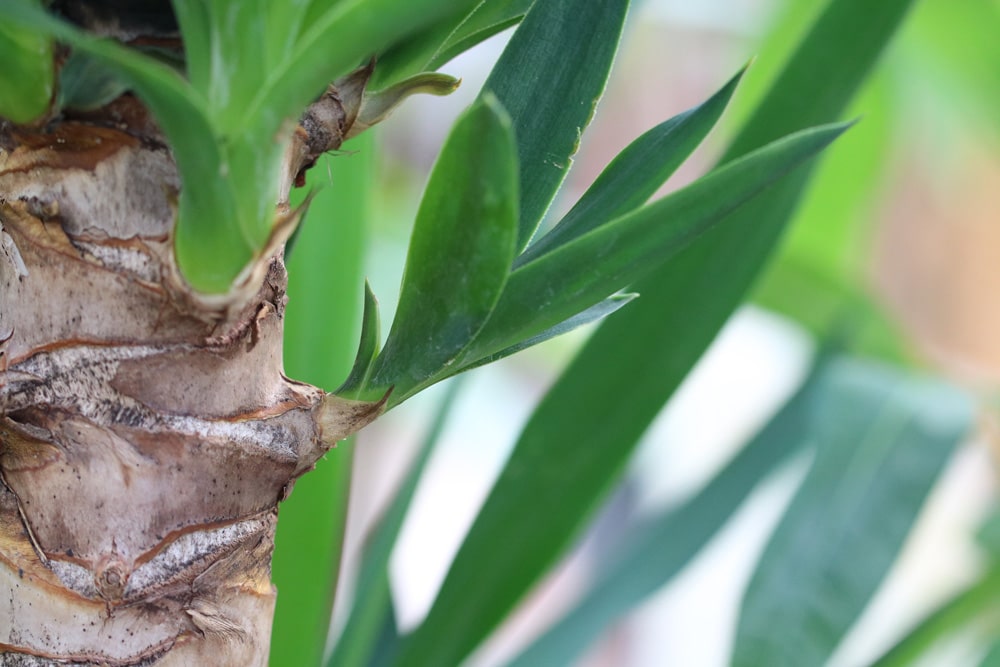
[[319, 345], [883, 439], [549, 80], [26, 78], [460, 252]]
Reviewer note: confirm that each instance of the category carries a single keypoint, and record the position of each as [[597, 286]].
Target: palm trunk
[[146, 435]]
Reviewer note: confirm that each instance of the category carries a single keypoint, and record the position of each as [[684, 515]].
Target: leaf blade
[[460, 252], [568, 46], [883, 441]]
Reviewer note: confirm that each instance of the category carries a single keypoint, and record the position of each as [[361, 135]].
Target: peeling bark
[[146, 436]]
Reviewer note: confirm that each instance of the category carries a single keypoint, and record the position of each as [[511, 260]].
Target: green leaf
[[372, 610], [662, 545], [460, 252], [436, 45], [86, 83], [883, 439], [976, 608], [637, 172], [549, 80], [486, 20], [586, 269], [367, 347], [319, 344], [26, 80], [577, 441], [596, 312]]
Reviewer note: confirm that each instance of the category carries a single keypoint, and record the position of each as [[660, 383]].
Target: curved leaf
[[460, 252]]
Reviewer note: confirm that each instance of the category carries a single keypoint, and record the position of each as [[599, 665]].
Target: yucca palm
[[147, 159]]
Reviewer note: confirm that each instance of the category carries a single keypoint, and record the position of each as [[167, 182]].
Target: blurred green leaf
[[587, 268], [883, 439], [549, 80], [577, 441], [319, 345], [86, 83], [27, 78], [372, 610], [656, 550], [637, 172], [460, 252], [977, 607]]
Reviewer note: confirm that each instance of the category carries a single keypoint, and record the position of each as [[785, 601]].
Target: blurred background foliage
[[893, 251]]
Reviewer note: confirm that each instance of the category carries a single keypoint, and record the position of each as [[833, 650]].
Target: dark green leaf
[[578, 274], [367, 348], [372, 607], [86, 83], [883, 439], [549, 79], [592, 314], [637, 172], [661, 546], [460, 252]]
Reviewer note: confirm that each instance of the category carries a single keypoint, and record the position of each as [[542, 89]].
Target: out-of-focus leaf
[[973, 611], [549, 80], [977, 607], [26, 77], [586, 269], [883, 439], [460, 252], [662, 545], [319, 346], [362, 637], [637, 172], [577, 441], [86, 83]]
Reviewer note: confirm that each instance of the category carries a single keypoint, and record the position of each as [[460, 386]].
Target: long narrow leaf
[[583, 431], [586, 269], [549, 79], [460, 252], [883, 439], [637, 172], [319, 346]]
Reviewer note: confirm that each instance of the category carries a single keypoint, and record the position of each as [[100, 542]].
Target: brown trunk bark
[[146, 436]]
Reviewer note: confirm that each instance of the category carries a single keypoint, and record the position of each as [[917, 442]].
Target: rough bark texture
[[146, 438]]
